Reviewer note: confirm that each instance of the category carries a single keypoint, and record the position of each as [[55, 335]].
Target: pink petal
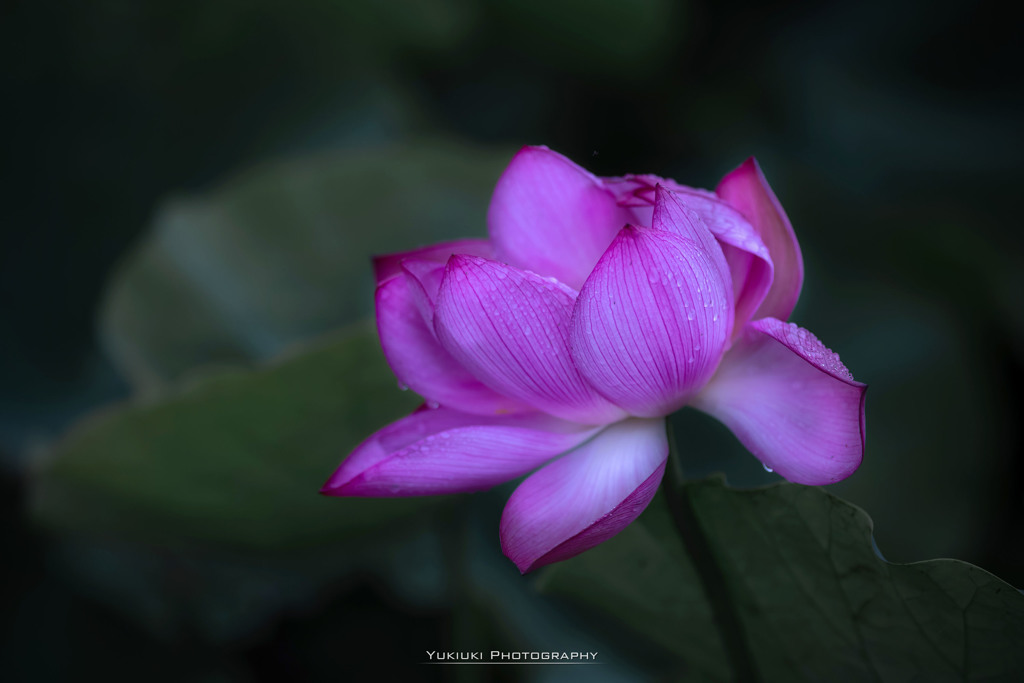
[[749, 262], [652, 322], [389, 265], [445, 451], [424, 278], [585, 497], [636, 191], [750, 266], [510, 329], [419, 361], [550, 216], [790, 401], [747, 191], [673, 214]]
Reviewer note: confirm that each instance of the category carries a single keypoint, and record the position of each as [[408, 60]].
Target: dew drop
[[768, 469], [402, 386]]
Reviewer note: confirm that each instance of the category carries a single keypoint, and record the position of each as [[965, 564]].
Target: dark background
[[890, 131]]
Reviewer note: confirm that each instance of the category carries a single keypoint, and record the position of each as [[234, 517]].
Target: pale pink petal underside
[[585, 497], [791, 402]]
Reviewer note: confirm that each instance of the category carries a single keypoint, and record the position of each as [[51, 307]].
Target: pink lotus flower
[[563, 341]]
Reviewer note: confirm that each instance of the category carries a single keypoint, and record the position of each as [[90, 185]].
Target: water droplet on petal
[[402, 386], [768, 469]]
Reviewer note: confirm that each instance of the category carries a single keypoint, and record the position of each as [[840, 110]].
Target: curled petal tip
[[342, 491], [791, 402], [334, 489]]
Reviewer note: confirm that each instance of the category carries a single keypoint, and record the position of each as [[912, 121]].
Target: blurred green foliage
[[283, 253], [196, 508], [232, 459]]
